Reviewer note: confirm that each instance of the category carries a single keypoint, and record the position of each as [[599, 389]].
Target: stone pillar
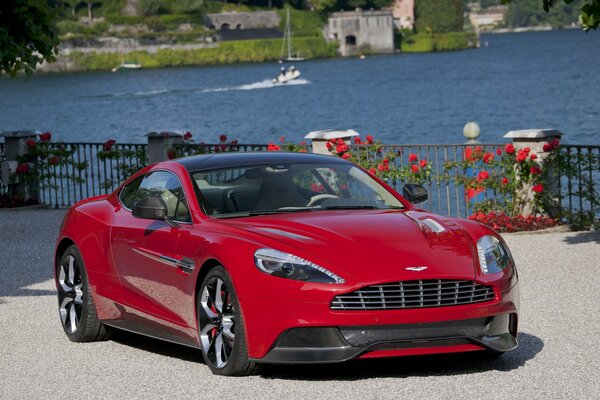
[[319, 139], [535, 139], [161, 145], [15, 145]]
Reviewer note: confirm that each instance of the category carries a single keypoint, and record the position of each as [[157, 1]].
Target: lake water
[[517, 81]]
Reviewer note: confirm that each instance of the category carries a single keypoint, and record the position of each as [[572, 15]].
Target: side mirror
[[152, 207], [414, 193]]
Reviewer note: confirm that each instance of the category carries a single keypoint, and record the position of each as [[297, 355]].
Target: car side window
[[167, 186], [129, 194]]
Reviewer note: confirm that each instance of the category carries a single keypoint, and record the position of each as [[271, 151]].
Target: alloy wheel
[[217, 321], [70, 294]]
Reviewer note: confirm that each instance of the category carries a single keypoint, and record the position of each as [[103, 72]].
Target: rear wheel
[[222, 335], [75, 303]]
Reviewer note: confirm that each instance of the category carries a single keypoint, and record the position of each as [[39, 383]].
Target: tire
[[76, 306], [221, 328]]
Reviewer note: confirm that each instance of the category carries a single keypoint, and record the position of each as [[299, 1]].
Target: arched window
[[351, 40], [225, 27]]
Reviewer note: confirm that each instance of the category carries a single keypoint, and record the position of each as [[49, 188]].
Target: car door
[[155, 278]]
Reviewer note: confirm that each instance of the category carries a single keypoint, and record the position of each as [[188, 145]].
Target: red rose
[[108, 145], [53, 160], [527, 150], [45, 137], [346, 156], [234, 142], [483, 175], [381, 167], [499, 151], [547, 147], [302, 143], [31, 143], [423, 163], [316, 187], [509, 148], [414, 168], [487, 157], [273, 147], [386, 161], [538, 188], [357, 140], [534, 170], [412, 157], [533, 157], [343, 186], [223, 138], [521, 156], [329, 145], [171, 154], [187, 136], [282, 139], [478, 149], [22, 169], [369, 139], [341, 148], [504, 181], [373, 171]]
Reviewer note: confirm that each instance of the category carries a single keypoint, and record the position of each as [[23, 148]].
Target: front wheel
[[222, 335], [75, 303]]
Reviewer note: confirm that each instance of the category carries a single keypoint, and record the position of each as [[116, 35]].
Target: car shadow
[[403, 367], [583, 237], [398, 367], [157, 346]]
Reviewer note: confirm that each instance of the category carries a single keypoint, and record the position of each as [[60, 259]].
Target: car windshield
[[283, 188]]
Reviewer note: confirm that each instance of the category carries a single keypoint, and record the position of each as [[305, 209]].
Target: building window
[[350, 40]]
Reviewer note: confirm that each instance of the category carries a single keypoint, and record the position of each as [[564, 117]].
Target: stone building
[[362, 31], [242, 20], [404, 14]]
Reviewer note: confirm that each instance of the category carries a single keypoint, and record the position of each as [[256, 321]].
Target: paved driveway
[[558, 356]]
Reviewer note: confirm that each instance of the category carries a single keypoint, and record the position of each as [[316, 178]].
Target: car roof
[[239, 159]]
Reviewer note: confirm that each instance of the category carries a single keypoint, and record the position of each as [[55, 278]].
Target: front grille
[[414, 294]]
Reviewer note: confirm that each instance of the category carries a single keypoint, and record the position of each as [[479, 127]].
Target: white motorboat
[[127, 65], [286, 76]]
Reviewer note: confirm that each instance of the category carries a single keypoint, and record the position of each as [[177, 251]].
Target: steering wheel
[[319, 198]]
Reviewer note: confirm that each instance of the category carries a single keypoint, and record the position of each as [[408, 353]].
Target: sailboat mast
[[289, 33]]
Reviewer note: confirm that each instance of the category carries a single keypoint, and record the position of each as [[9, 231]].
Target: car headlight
[[494, 257], [284, 265]]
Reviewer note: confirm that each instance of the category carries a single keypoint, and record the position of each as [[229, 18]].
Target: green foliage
[[423, 43], [304, 23], [224, 53], [588, 18], [97, 29], [439, 16], [28, 35], [529, 13]]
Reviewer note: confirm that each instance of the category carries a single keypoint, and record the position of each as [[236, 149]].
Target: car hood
[[373, 245]]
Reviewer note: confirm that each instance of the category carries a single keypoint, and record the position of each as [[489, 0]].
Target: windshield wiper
[[351, 207], [280, 211]]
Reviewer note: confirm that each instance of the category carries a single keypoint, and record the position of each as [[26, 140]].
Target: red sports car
[[282, 258]]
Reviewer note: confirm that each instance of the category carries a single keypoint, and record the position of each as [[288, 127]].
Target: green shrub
[[304, 23], [224, 53], [423, 42]]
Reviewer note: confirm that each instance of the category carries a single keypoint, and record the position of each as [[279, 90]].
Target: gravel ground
[[557, 357]]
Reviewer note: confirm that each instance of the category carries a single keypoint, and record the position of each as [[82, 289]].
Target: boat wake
[[266, 84]]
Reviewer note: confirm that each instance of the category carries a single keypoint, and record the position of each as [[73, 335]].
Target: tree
[[589, 16], [439, 16], [28, 35]]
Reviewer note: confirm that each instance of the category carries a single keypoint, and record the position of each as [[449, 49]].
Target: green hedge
[[224, 53], [424, 43]]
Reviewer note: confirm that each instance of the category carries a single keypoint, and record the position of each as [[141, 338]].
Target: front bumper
[[311, 332], [336, 344]]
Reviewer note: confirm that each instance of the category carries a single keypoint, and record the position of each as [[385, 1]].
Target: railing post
[[15, 145], [320, 138], [535, 139], [161, 145]]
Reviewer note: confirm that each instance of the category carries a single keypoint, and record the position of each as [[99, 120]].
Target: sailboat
[[287, 42]]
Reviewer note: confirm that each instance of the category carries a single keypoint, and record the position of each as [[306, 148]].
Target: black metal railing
[[86, 170], [3, 185], [445, 195], [578, 178]]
